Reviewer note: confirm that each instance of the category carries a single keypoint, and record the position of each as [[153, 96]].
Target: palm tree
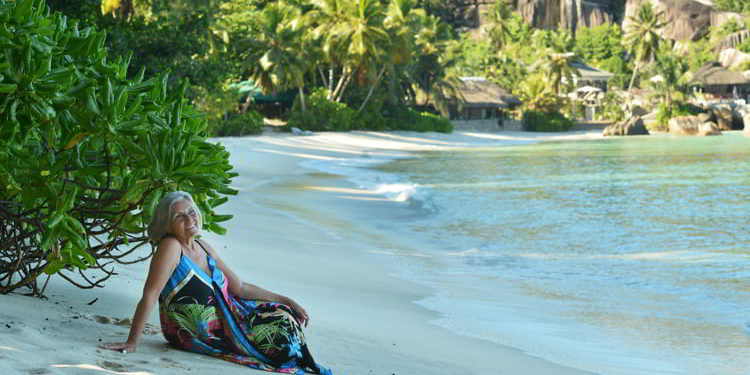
[[432, 78], [401, 22], [642, 38], [672, 79], [497, 27], [557, 68], [352, 35], [534, 93], [324, 16], [276, 60], [363, 39]]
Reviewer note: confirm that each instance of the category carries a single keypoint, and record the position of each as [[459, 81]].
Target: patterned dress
[[198, 314]]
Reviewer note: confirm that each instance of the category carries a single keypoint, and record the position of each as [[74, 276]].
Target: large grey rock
[[567, 14], [708, 128], [684, 125], [706, 117], [723, 115], [719, 18], [691, 125], [631, 126], [687, 19], [733, 40], [731, 58], [737, 120], [746, 122]]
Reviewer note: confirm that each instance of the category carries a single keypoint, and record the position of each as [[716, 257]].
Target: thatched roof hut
[[482, 99], [716, 79], [479, 92]]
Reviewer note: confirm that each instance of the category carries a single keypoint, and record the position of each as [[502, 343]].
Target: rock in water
[[684, 125], [692, 125], [631, 126], [723, 115], [708, 128], [706, 117]]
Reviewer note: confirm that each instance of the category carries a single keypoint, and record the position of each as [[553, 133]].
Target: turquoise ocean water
[[619, 256]]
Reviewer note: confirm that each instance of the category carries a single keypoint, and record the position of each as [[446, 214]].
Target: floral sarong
[[198, 314]]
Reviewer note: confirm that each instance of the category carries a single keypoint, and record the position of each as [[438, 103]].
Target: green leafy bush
[[611, 107], [680, 109], [325, 115], [250, 122], [86, 153], [738, 6], [537, 121], [370, 119], [321, 114], [406, 119], [429, 122]]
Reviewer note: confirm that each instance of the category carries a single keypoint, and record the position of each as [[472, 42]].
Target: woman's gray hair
[[162, 216]]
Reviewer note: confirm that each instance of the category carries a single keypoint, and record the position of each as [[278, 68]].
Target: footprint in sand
[[172, 363], [113, 366], [150, 329]]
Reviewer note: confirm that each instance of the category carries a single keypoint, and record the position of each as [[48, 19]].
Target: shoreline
[[297, 232]]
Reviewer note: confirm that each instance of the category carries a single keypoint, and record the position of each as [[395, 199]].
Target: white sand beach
[[298, 232]]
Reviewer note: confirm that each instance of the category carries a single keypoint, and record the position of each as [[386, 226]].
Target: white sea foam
[[360, 172]]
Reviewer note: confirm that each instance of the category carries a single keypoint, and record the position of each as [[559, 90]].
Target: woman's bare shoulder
[[168, 248], [208, 247]]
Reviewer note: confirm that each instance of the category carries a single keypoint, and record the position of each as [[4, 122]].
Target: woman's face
[[184, 223]]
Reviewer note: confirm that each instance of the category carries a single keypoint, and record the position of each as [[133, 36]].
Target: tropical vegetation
[[87, 150], [107, 104]]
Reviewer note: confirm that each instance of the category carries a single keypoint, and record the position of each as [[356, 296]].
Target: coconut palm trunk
[[341, 87], [302, 99], [635, 73], [323, 77], [372, 88]]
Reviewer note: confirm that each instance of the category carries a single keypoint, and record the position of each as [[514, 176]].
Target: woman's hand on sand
[[299, 313], [122, 347]]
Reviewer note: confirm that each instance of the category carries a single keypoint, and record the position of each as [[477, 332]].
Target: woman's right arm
[[162, 265]]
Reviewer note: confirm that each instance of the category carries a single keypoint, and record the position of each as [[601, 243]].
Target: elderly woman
[[204, 307]]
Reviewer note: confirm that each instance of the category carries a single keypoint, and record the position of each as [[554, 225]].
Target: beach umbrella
[[587, 89], [656, 78]]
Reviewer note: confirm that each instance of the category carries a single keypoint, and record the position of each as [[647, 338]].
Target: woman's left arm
[[249, 291]]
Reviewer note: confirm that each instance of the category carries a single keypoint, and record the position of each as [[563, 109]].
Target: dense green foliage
[[180, 36], [611, 107], [537, 121], [674, 78], [321, 114], [373, 56], [419, 121], [602, 47], [239, 124], [665, 113], [325, 115], [86, 151], [738, 6]]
